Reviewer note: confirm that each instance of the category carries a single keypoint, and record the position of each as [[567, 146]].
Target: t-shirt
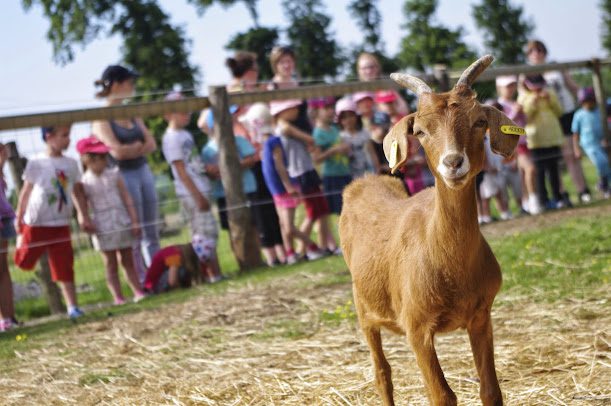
[[555, 80], [164, 259], [109, 211], [210, 155], [6, 211], [587, 124], [360, 162], [268, 167], [298, 158], [178, 145], [50, 203], [337, 164]]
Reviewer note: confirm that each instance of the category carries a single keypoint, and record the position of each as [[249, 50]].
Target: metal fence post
[[244, 239]]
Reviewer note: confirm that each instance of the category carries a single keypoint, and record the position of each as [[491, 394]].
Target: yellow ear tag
[[394, 152], [512, 129]]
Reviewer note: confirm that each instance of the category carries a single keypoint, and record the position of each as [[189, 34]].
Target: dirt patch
[[265, 345]]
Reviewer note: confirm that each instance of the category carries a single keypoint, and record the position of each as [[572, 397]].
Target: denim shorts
[[8, 229]]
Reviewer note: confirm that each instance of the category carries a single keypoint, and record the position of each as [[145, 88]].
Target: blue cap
[[380, 118], [210, 119], [45, 131]]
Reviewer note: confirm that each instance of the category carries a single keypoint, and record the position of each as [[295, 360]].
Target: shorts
[[333, 187], [201, 222], [35, 241], [285, 201], [566, 120], [314, 201], [113, 240], [7, 231]]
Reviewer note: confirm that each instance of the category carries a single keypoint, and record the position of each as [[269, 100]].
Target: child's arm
[[22, 204], [340, 149], [129, 205], [150, 144], [104, 132], [576, 148], [200, 200], [291, 131], [173, 277], [282, 172], [248, 161], [80, 202]]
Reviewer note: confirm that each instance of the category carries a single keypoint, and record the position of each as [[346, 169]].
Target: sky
[[32, 82]]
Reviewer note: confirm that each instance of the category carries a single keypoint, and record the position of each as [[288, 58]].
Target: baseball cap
[[345, 104], [203, 246], [504, 81], [586, 94], [258, 119], [117, 73], [91, 145], [535, 82], [321, 102], [380, 118], [278, 106], [45, 130], [385, 96], [358, 96]]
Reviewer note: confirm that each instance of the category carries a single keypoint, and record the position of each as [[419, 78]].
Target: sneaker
[[484, 220], [506, 215], [119, 301], [6, 325], [338, 251], [606, 195], [566, 201], [312, 255], [534, 207], [585, 197], [140, 297], [291, 259], [75, 313]]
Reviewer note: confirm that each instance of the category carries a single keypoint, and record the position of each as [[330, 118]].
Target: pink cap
[[358, 96], [91, 145], [345, 104], [278, 106], [385, 96], [504, 81]]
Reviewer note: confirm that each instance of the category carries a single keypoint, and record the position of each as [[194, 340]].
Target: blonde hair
[[192, 264], [277, 53]]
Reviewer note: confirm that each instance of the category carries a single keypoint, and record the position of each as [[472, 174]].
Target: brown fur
[[420, 265]]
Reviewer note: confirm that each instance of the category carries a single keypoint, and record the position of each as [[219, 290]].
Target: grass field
[[289, 335]]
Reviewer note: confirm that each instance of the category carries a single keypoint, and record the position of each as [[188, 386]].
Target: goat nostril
[[453, 161]]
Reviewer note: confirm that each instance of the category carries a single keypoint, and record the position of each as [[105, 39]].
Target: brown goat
[[420, 265]]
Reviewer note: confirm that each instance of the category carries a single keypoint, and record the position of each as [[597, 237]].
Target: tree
[[369, 20], [251, 5], [504, 29], [428, 43], [605, 6], [260, 40], [318, 54]]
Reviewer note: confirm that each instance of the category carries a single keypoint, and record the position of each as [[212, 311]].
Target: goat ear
[[504, 133], [396, 144]]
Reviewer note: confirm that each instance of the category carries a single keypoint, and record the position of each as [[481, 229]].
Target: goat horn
[[472, 72], [412, 83]]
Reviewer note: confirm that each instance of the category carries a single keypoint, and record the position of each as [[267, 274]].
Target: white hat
[[203, 246], [358, 96], [278, 106], [258, 119], [503, 81], [345, 104]]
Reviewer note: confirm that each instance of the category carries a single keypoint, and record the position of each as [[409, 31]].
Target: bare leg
[[423, 344], [112, 274], [480, 335], [269, 254], [69, 292], [7, 309], [573, 165], [280, 254], [127, 261]]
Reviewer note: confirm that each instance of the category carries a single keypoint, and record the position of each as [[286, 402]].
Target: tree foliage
[[368, 19], [427, 42], [259, 40], [605, 6], [251, 5], [318, 54], [504, 29]]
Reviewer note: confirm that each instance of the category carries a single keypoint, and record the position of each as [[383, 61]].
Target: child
[[300, 167], [352, 133], [179, 265], [492, 186], [284, 188], [192, 187], [386, 101], [588, 133], [332, 152], [365, 107], [7, 232], [543, 136], [44, 211], [114, 216], [380, 125]]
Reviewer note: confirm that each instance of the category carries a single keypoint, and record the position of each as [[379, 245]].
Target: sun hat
[[91, 145], [174, 96], [504, 81], [535, 82], [203, 246], [278, 106], [380, 118], [321, 102], [345, 104], [586, 94], [117, 73], [258, 119], [359, 96], [385, 96]]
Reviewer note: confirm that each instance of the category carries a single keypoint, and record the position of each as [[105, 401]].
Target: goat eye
[[480, 124], [419, 133]]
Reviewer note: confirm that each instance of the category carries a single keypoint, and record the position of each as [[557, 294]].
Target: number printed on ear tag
[[512, 129], [394, 152]]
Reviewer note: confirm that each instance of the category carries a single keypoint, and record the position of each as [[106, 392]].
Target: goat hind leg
[[381, 367], [480, 336]]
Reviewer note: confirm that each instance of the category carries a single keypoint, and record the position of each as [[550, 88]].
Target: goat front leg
[[381, 367], [480, 336], [423, 344]]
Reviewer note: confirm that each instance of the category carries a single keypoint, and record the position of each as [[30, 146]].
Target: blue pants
[[141, 186], [599, 158]]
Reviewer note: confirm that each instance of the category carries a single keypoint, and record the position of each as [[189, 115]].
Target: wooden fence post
[[244, 239], [601, 100], [440, 72], [49, 288]]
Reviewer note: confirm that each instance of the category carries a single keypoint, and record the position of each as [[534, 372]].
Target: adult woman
[[368, 68], [566, 90], [129, 142]]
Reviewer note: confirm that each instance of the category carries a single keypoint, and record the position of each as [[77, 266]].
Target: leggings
[[546, 163]]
